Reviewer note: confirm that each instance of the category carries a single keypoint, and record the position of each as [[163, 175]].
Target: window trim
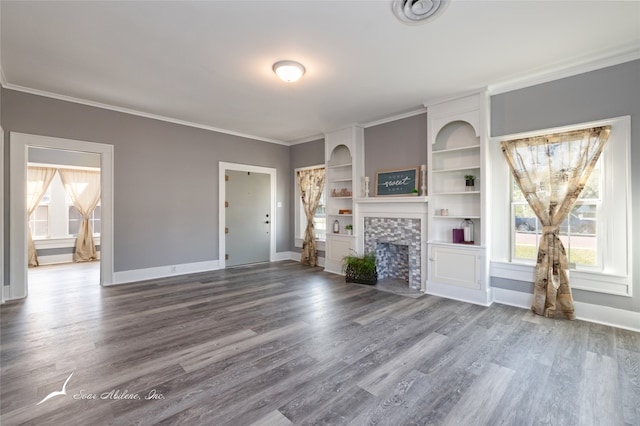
[[616, 275], [298, 238]]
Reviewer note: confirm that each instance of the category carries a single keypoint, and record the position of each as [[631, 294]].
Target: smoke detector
[[414, 11]]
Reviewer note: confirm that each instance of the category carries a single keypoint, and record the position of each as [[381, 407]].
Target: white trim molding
[[136, 275], [573, 66], [138, 113], [628, 320]]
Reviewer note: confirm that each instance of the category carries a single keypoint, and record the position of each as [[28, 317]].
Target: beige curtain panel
[[311, 184], [551, 171], [83, 187], [38, 180]]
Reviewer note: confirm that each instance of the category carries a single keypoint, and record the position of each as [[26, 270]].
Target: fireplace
[[395, 229], [396, 243]]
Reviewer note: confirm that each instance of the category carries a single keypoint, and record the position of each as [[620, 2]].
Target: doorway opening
[[251, 204], [65, 248], [20, 145]]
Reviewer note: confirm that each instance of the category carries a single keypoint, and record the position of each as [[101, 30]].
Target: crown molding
[[394, 118], [573, 66], [307, 139], [138, 113]]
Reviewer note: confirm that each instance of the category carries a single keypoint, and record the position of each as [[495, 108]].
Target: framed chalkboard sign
[[397, 182]]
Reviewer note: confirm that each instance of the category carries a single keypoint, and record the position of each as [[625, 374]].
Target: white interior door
[[248, 217]]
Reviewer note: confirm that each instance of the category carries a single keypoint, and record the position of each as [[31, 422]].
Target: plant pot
[[354, 276], [470, 185]]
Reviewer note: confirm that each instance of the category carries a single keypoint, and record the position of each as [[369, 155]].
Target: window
[[75, 219], [320, 218], [56, 217], [578, 233], [39, 221], [596, 234]]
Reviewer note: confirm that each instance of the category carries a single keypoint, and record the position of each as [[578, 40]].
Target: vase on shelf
[[468, 228], [470, 183]]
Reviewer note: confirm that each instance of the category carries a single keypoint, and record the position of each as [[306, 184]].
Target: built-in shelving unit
[[344, 152], [457, 137]]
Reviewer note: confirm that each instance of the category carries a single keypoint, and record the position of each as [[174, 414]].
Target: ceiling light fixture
[[414, 11], [288, 71]]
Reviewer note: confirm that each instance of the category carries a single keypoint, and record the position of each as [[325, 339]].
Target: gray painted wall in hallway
[[165, 176], [604, 93]]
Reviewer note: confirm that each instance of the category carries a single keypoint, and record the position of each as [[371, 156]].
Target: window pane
[[96, 226], [39, 221], [74, 221], [583, 244], [592, 187], [41, 213], [40, 229], [526, 232]]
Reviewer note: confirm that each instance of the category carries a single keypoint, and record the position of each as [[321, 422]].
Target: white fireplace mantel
[[412, 207]]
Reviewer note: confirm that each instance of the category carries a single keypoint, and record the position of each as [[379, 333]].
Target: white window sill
[[319, 243], [581, 280], [59, 242]]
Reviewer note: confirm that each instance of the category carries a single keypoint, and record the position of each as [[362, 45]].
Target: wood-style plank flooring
[[280, 344]]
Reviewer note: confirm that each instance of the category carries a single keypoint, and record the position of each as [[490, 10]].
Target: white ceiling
[[209, 62]]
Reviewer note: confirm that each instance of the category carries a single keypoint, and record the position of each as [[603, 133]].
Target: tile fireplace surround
[[395, 225]]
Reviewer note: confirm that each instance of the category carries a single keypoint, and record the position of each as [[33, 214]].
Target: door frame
[[222, 169], [19, 144]]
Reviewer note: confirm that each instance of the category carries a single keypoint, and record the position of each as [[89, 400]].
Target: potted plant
[[349, 229], [469, 182], [414, 191], [360, 269]]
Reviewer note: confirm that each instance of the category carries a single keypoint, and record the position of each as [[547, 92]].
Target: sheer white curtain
[[38, 180], [83, 186]]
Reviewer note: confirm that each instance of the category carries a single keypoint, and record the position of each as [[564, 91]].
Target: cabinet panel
[[459, 268]]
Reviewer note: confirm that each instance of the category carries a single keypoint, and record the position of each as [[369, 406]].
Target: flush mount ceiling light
[[414, 11], [288, 71]]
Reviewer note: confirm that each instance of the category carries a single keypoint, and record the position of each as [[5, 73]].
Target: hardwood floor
[[279, 344]]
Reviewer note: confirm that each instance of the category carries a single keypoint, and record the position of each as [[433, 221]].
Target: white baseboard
[[605, 315], [477, 297], [123, 277], [285, 255], [292, 255]]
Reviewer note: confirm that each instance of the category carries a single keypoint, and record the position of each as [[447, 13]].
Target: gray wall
[[165, 176], [302, 155], [605, 93], [397, 144]]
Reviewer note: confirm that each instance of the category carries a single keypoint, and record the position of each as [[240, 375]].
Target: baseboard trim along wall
[[135, 275], [605, 315], [124, 277]]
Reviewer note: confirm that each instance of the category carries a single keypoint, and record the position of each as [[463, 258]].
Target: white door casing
[[223, 168], [19, 144]]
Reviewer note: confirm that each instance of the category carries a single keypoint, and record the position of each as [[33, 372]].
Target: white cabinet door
[[336, 248], [460, 268]]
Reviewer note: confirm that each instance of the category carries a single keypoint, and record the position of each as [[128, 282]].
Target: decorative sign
[[397, 182]]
